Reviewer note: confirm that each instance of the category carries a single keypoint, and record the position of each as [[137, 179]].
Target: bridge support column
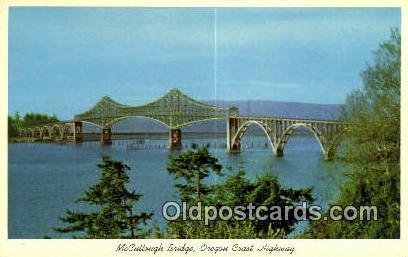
[[232, 128], [106, 138], [175, 139], [235, 148], [329, 155], [78, 137], [278, 152], [63, 137]]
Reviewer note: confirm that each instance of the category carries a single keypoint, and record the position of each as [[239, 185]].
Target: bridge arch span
[[37, 132], [200, 121], [236, 139], [24, 132], [46, 131], [280, 145], [56, 128], [115, 121], [30, 132], [68, 128], [88, 122]]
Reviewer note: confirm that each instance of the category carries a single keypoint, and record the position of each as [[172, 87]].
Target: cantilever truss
[[174, 110]]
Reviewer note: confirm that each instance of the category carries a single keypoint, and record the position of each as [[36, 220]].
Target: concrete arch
[[30, 132], [280, 145], [26, 132], [45, 129], [37, 132], [236, 140], [89, 122], [68, 129], [21, 132], [59, 129]]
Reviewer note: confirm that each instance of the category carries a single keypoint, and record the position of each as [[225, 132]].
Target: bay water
[[45, 179]]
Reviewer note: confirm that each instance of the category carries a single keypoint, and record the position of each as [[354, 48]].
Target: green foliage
[[372, 150], [220, 229], [192, 167], [236, 190], [30, 119], [265, 190], [13, 124], [12, 127], [114, 217]]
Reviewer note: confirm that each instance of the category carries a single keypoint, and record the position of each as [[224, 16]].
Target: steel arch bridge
[[176, 110]]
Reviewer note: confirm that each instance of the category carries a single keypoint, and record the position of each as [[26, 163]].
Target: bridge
[[176, 110]]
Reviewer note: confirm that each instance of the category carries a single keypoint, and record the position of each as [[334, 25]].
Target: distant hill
[[251, 107], [285, 109]]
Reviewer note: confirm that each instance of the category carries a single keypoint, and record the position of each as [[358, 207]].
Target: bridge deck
[[49, 124], [274, 118], [269, 118]]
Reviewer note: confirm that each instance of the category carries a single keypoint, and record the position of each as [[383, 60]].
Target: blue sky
[[63, 60]]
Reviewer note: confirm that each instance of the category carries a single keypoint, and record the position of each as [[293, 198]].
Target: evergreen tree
[[372, 150], [114, 216], [32, 119], [266, 191], [193, 166], [236, 190], [12, 127]]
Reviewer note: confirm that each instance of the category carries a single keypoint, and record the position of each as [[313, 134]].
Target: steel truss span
[[176, 110]]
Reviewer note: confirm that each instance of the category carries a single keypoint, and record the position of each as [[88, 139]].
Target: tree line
[[30, 119]]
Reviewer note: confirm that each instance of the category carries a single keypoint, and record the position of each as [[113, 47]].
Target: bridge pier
[[41, 135], [232, 128], [175, 139], [235, 148], [329, 155], [106, 138], [78, 137], [278, 152]]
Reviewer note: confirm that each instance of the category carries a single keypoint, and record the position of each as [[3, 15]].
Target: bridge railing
[[277, 118], [48, 124]]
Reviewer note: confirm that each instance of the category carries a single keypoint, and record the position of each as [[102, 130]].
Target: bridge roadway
[[176, 110]]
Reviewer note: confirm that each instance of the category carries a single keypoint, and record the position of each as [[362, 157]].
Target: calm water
[[45, 179]]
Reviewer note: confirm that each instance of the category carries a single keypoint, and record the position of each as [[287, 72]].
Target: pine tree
[[114, 216], [372, 150], [236, 190], [193, 167]]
